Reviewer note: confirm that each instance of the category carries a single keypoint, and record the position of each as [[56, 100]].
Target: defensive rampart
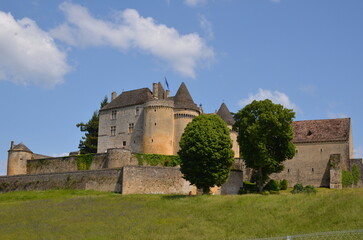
[[126, 180]]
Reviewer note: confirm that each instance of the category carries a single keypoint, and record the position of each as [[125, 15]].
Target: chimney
[[156, 90], [167, 93], [12, 145], [113, 96]]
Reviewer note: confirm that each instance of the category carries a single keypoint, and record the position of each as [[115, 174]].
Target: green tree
[[88, 144], [264, 136], [206, 152]]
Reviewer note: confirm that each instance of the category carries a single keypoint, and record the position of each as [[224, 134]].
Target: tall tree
[[206, 152], [265, 137], [88, 144]]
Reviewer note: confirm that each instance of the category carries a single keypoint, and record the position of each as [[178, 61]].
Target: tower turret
[[17, 159]]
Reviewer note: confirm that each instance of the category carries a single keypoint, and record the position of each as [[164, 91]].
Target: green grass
[[70, 214]]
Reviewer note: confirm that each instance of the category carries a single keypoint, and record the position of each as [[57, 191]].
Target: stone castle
[[145, 121]]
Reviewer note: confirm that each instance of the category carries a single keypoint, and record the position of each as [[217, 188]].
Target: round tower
[[184, 111], [158, 127], [17, 159]]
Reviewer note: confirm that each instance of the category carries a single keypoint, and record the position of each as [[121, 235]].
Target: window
[[131, 127], [113, 131], [137, 111], [113, 114], [124, 143]]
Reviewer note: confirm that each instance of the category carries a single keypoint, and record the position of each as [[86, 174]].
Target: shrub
[[347, 178], [284, 184], [355, 174], [248, 187], [309, 189], [272, 185], [298, 188]]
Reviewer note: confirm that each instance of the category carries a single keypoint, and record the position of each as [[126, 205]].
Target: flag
[[166, 83]]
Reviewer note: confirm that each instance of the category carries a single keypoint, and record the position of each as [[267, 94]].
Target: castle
[[145, 121]]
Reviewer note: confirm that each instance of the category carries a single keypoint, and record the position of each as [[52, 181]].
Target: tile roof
[[21, 147], [225, 114], [129, 98], [327, 130], [183, 99]]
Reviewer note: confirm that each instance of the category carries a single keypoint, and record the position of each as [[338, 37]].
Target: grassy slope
[[95, 215]]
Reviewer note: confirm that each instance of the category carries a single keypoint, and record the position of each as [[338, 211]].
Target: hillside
[[69, 214]]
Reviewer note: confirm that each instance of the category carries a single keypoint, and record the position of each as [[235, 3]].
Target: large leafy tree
[[88, 144], [206, 152], [265, 137]]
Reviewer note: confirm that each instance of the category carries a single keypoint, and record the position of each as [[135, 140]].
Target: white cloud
[[274, 96], [132, 31], [193, 3], [206, 26], [29, 54], [60, 154]]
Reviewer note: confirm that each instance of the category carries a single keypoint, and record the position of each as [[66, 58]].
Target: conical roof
[[225, 114], [182, 98], [21, 147]]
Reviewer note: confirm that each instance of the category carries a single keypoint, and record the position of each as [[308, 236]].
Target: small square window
[[124, 143]]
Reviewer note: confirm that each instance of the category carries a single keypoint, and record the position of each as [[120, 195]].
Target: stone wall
[[114, 158], [154, 180], [311, 164], [101, 180]]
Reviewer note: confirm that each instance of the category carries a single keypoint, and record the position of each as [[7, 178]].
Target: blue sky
[[58, 59]]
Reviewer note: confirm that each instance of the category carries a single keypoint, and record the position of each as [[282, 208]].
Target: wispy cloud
[[194, 3], [275, 1], [29, 54], [206, 26], [308, 89], [274, 96], [128, 31]]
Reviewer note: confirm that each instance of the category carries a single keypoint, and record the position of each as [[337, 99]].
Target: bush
[[355, 175], [347, 178], [284, 184], [299, 188], [272, 185], [248, 187], [309, 189]]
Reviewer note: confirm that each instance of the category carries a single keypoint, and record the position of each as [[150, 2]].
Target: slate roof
[[225, 114], [183, 99], [130, 98], [21, 147], [327, 130]]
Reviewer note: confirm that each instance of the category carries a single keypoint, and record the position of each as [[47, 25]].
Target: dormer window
[[310, 133]]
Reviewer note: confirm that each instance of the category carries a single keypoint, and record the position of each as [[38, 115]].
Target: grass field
[[69, 214]]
